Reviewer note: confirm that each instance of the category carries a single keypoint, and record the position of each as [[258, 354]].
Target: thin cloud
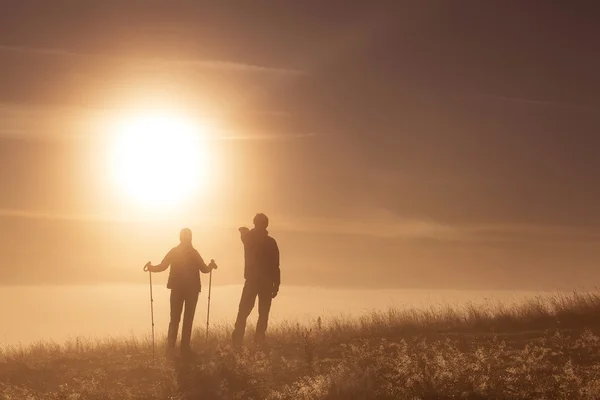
[[393, 228], [205, 64], [384, 225], [267, 137], [52, 216], [117, 217], [537, 102], [520, 232], [24, 121], [408, 228]]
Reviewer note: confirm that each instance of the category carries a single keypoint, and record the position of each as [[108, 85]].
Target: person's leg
[[177, 299], [191, 300], [247, 301], [265, 297]]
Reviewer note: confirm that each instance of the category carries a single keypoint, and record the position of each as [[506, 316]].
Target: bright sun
[[159, 160]]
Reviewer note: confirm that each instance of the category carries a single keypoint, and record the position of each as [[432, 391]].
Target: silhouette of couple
[[261, 272]]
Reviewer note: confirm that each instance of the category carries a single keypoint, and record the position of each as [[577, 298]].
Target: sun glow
[[160, 160]]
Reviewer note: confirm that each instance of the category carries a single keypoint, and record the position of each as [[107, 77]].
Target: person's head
[[185, 236], [261, 221]]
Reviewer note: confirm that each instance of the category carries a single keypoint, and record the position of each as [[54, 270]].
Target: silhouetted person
[[184, 282], [262, 275]]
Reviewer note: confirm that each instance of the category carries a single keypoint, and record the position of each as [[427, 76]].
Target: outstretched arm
[[166, 262]]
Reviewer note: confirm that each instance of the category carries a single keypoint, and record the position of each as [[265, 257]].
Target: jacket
[[186, 264], [261, 255]]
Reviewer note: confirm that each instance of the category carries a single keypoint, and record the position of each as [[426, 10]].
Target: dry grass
[[543, 349]]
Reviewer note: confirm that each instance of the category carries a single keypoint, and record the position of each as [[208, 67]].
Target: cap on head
[[185, 236], [261, 221]]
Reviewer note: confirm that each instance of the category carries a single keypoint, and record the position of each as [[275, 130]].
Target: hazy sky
[[407, 144]]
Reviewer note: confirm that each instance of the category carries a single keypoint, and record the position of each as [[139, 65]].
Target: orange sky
[[421, 147]]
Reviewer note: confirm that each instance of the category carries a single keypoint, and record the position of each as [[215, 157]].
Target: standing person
[[184, 282], [262, 275]]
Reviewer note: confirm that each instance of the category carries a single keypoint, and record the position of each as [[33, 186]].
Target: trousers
[[179, 299], [252, 290]]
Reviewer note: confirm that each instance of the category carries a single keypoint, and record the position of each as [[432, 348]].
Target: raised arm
[[244, 233]]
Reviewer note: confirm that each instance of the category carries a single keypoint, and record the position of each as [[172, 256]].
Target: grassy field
[[546, 348]]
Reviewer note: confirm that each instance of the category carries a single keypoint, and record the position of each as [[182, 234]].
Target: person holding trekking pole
[[184, 282], [262, 275]]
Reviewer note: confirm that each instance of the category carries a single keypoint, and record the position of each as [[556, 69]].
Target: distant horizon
[[121, 310], [160, 284]]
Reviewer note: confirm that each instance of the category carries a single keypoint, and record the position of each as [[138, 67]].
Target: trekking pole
[[147, 268], [208, 311], [213, 265]]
